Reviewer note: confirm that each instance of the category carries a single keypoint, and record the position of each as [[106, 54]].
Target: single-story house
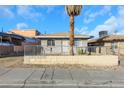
[[59, 42], [110, 43]]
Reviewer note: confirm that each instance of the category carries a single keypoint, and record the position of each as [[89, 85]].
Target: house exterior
[[26, 32], [13, 43], [59, 42], [11, 38], [110, 43]]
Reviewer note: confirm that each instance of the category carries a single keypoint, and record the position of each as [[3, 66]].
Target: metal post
[[1, 39]]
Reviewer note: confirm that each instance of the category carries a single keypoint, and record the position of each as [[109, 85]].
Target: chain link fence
[[64, 50]]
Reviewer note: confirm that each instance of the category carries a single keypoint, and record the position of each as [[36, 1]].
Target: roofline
[[83, 37], [109, 40], [24, 29], [11, 35]]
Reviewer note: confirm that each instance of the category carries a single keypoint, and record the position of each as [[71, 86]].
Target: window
[[50, 42], [114, 45], [76, 42]]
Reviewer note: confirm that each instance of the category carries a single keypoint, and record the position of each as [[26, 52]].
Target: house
[[59, 42], [7, 43], [11, 38], [13, 43], [110, 43], [25, 32]]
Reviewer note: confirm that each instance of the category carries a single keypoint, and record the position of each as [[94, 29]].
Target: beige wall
[[65, 42], [58, 42], [107, 44], [110, 60], [121, 44], [120, 48], [27, 33], [43, 42]]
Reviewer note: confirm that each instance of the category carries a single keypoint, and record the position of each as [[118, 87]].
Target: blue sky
[[52, 19]]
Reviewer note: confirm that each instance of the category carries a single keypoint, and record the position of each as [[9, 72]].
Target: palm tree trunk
[[71, 34]]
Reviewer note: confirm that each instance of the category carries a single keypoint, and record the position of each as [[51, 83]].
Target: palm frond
[[73, 9]]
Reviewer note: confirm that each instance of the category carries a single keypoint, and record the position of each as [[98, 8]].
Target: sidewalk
[[48, 77]]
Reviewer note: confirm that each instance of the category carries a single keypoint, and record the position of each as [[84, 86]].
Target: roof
[[11, 35], [62, 35], [108, 38], [24, 30], [3, 34], [113, 38], [92, 40]]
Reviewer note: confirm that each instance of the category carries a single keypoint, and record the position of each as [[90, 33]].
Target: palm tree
[[72, 10]]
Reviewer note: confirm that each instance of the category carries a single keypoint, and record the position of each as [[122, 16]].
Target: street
[[12, 75]]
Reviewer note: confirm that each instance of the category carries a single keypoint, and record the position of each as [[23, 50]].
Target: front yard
[[17, 62]]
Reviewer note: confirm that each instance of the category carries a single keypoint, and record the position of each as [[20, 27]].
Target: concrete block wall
[[109, 60]]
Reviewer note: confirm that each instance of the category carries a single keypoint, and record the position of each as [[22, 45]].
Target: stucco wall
[[104, 60], [121, 44], [121, 47], [62, 46]]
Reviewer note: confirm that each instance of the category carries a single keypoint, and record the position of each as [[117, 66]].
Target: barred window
[[50, 42]]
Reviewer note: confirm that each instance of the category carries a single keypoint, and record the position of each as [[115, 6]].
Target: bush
[[80, 51]]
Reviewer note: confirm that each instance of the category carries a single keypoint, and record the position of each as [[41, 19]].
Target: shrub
[[80, 51]]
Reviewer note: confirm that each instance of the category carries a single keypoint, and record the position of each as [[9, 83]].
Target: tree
[[72, 10]]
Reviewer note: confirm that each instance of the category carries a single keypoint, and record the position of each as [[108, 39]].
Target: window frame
[[50, 42], [114, 44]]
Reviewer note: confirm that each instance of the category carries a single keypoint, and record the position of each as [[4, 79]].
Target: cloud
[[50, 9], [83, 30], [27, 12], [21, 26], [120, 17], [6, 12], [114, 24], [47, 8], [110, 25], [91, 16]]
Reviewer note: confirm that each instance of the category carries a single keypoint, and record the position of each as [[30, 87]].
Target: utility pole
[[1, 39], [2, 29], [1, 35]]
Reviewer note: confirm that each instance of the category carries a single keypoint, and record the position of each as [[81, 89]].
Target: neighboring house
[[110, 43], [11, 38], [7, 43], [26, 32], [13, 43], [59, 42]]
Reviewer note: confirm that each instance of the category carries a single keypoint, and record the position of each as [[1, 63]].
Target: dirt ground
[[11, 61], [17, 62]]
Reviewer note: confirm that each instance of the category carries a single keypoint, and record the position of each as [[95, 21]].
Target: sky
[[54, 19]]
